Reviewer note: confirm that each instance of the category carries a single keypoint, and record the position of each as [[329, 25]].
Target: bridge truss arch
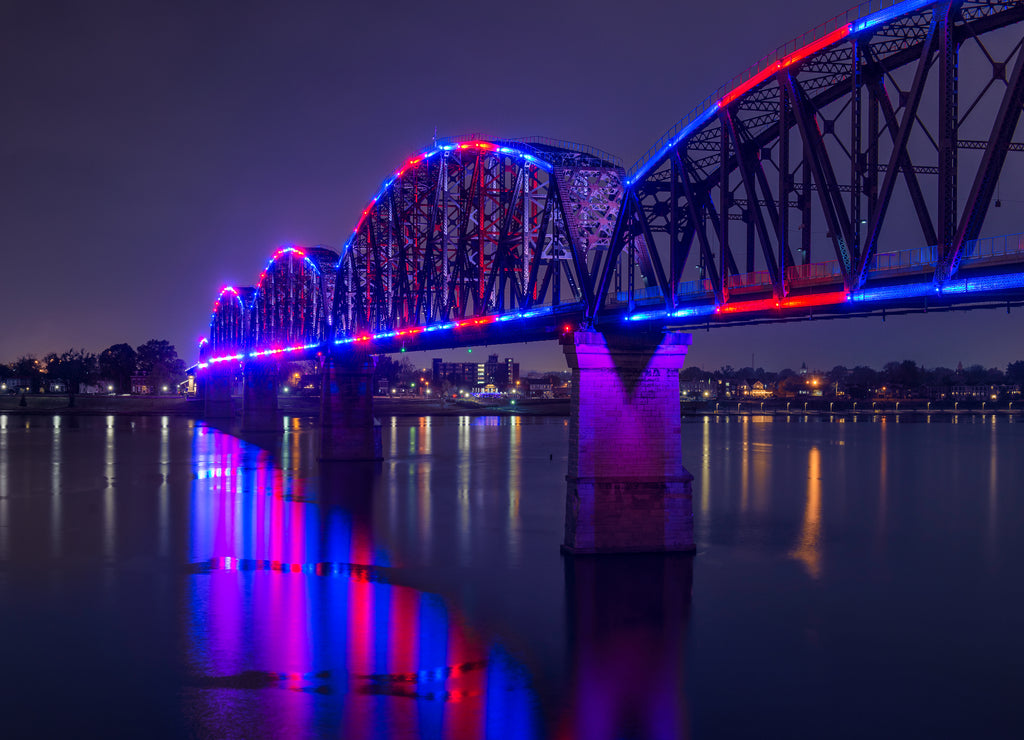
[[785, 181], [290, 303], [229, 323], [478, 228]]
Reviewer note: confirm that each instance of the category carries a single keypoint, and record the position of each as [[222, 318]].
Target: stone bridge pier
[[627, 489], [348, 429], [217, 382], [259, 397]]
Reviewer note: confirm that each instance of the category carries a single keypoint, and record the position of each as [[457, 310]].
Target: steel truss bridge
[[849, 172]]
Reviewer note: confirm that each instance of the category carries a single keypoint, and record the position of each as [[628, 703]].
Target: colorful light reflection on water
[[295, 621]]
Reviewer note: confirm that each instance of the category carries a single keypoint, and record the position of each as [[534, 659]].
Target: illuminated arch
[[289, 306], [477, 228], [228, 323]]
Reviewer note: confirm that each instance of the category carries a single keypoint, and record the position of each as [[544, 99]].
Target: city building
[[502, 374]]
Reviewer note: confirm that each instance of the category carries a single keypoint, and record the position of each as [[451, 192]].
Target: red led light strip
[[800, 301], [787, 61]]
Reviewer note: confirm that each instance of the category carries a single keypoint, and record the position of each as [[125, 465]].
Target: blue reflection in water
[[290, 591]]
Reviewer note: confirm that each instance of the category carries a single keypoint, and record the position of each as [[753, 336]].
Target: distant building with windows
[[698, 389], [757, 389], [502, 374], [142, 385]]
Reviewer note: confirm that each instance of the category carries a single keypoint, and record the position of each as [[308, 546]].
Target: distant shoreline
[[53, 404], [309, 406]]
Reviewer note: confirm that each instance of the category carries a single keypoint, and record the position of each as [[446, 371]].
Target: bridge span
[[849, 172]]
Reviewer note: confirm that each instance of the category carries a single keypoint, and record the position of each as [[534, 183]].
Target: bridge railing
[[855, 13], [904, 259], [1010, 245], [997, 249], [815, 271], [695, 288], [925, 258], [641, 296], [756, 279], [569, 146]]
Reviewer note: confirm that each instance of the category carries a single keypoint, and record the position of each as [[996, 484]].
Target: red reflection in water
[[293, 627]]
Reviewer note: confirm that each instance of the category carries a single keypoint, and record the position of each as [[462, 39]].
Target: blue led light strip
[[680, 313], [414, 331], [692, 126], [890, 13], [963, 286]]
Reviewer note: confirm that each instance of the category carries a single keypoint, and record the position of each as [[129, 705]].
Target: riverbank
[[850, 409], [309, 406], [51, 404], [86, 405]]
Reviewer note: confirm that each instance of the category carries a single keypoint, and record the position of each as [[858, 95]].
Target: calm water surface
[[159, 577]]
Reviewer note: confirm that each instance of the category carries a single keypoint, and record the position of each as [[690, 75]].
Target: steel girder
[[478, 228], [229, 324], [838, 131], [289, 306]]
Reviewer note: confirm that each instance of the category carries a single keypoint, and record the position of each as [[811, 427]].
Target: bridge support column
[[627, 489], [259, 397], [348, 429], [217, 384]]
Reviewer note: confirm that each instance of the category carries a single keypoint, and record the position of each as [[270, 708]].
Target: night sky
[[151, 152]]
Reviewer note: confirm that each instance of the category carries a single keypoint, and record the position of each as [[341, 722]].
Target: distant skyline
[[151, 153], [821, 343]]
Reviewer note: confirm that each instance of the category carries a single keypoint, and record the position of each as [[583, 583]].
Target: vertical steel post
[[805, 205], [676, 261], [749, 218], [785, 187], [856, 157], [948, 114], [723, 215], [871, 178]]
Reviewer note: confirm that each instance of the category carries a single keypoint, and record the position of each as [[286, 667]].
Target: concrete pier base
[[217, 403], [627, 489], [348, 429], [259, 398]]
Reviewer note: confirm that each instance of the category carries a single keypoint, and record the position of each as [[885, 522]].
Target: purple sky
[[152, 152]]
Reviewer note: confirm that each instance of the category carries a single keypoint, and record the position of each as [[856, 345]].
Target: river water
[[159, 577]]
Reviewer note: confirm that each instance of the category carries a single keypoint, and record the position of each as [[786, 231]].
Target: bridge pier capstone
[[348, 428], [217, 402], [259, 397], [627, 489]]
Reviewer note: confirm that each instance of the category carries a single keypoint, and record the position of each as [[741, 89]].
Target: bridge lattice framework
[[908, 107]]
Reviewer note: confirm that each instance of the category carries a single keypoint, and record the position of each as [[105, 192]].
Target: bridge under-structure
[[866, 125]]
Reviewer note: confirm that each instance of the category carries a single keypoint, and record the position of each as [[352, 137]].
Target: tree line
[[115, 366], [906, 375]]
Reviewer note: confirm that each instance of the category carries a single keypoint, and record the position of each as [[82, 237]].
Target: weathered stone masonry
[[627, 489]]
